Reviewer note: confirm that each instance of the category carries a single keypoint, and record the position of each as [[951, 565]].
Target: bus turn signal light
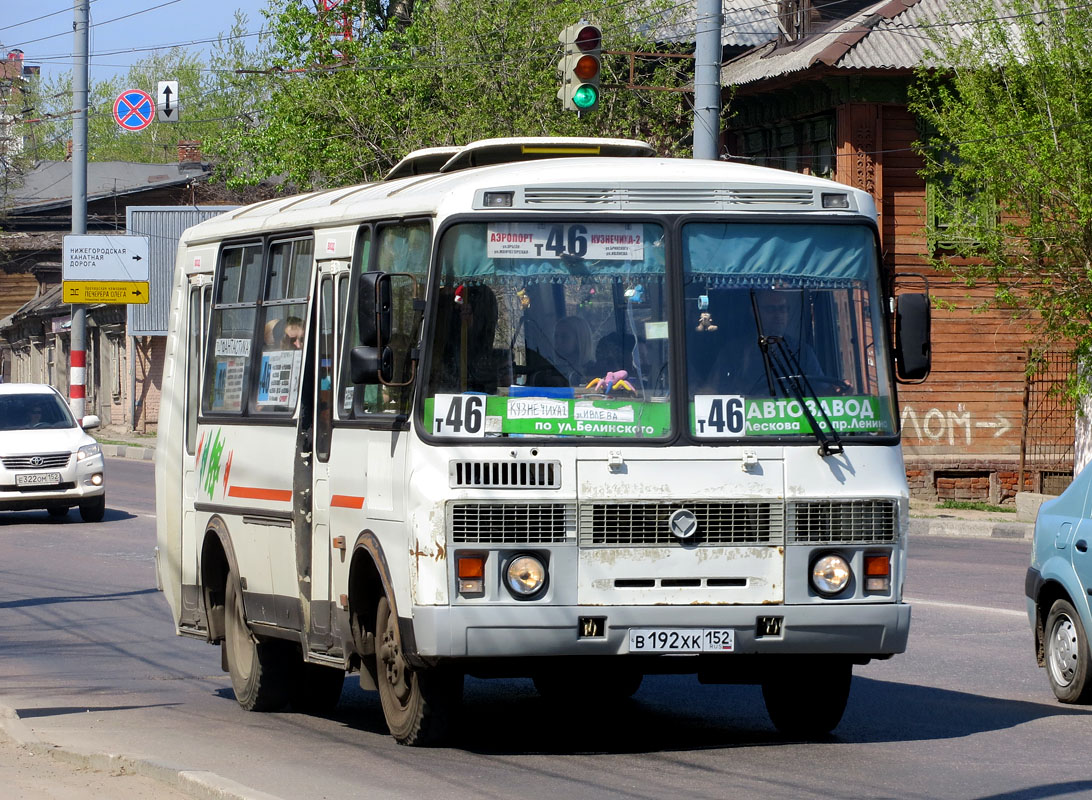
[[471, 570], [877, 571]]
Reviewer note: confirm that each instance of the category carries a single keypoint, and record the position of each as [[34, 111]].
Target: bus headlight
[[830, 575], [525, 576]]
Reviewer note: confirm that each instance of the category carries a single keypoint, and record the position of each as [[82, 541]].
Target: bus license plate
[[38, 479], [682, 640]]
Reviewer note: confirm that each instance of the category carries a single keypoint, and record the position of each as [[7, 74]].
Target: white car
[[46, 459]]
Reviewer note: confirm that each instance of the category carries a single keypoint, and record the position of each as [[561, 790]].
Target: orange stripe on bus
[[346, 501], [254, 493]]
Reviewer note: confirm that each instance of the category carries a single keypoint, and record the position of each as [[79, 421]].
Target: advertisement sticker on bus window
[[227, 390], [735, 415], [459, 415], [600, 241], [277, 378], [232, 347]]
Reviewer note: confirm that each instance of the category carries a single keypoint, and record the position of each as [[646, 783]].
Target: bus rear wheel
[[261, 671], [807, 699], [418, 704]]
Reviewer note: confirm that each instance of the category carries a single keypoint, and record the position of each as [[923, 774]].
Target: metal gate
[[1046, 440]]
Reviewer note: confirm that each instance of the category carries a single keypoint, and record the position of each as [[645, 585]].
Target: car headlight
[[525, 576], [88, 450], [830, 574]]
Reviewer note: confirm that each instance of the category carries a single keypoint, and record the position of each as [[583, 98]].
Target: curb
[[196, 783], [129, 451], [982, 529]]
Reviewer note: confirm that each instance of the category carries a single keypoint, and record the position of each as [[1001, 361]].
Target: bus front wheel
[[260, 671], [418, 704], [807, 698]]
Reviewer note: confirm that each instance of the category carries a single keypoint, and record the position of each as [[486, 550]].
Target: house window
[[805, 146]]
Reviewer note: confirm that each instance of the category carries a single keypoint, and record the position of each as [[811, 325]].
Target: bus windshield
[[784, 330], [550, 329]]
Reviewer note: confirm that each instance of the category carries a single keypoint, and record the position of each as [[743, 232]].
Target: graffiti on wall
[[951, 426]]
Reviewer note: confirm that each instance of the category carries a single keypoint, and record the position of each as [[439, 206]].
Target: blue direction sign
[[134, 110]]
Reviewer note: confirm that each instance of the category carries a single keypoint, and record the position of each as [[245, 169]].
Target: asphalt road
[[89, 660]]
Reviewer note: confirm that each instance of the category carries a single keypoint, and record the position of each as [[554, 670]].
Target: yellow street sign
[[127, 292]]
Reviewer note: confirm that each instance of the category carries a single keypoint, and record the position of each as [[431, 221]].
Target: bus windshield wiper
[[792, 380]]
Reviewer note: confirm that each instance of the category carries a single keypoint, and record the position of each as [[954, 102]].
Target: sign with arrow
[[166, 101], [105, 269]]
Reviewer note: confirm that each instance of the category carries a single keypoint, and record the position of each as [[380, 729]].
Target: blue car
[[1059, 587]]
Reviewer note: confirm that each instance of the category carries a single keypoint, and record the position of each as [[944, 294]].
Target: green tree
[[436, 73], [1010, 161]]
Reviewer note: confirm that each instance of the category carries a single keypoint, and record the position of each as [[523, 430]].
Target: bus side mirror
[[371, 364], [373, 309], [913, 352]]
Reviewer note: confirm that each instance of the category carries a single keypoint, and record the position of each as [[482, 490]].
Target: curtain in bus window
[[829, 252], [284, 314]]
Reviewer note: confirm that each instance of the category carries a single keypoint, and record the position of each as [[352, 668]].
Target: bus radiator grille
[[741, 522], [842, 521], [511, 523], [505, 474]]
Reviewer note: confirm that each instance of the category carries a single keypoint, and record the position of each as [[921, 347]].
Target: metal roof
[[49, 184], [888, 35], [747, 23]]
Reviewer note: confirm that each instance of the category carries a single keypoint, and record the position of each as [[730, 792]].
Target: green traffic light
[[585, 96]]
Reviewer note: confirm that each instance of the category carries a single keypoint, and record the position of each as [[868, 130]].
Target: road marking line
[[1008, 612]]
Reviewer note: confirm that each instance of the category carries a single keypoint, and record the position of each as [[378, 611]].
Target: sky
[[121, 33]]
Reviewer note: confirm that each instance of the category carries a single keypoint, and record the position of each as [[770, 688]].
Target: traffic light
[[579, 67]]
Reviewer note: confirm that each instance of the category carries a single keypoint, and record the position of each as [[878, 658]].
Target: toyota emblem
[[36, 461], [683, 524]]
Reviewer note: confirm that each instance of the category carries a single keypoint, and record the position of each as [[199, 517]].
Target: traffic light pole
[[707, 50], [77, 352]]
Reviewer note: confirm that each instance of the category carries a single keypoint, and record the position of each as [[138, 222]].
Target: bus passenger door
[[321, 438], [200, 297]]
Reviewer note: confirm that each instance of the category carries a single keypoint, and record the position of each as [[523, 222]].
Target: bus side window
[[401, 248], [231, 329], [346, 395], [283, 326]]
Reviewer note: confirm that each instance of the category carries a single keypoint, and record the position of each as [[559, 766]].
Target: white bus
[[578, 419]]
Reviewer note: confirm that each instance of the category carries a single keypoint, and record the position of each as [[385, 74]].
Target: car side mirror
[[90, 422], [913, 351]]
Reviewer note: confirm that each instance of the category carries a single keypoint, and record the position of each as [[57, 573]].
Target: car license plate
[[682, 640], [38, 479]]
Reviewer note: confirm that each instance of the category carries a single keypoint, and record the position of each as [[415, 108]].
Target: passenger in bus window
[[293, 334], [274, 333], [740, 366]]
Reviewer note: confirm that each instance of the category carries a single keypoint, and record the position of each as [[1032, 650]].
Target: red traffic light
[[588, 38]]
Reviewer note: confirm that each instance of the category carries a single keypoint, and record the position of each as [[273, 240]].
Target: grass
[[972, 505]]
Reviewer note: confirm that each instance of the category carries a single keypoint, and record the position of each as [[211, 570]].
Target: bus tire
[[317, 689], [812, 707], [260, 671], [418, 704], [1067, 654]]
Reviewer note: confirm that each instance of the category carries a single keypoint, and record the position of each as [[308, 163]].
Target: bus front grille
[[842, 521], [511, 523], [742, 522]]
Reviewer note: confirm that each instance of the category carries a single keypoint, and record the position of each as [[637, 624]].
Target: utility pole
[[77, 365], [707, 50]]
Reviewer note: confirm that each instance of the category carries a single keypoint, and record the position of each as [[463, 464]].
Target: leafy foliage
[[435, 73], [1014, 108]]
